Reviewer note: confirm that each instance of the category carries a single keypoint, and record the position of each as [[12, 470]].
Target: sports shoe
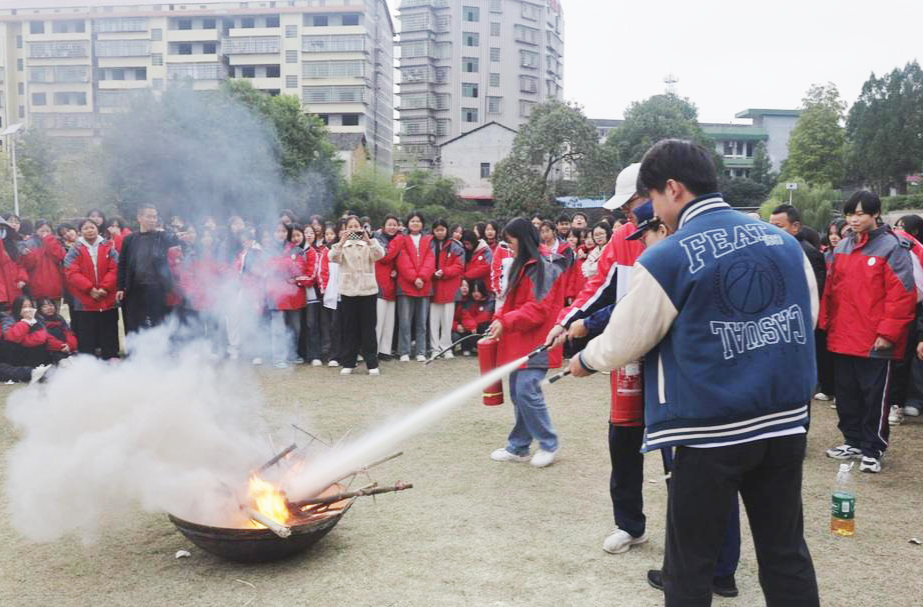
[[896, 416], [405, 358], [346, 371], [722, 586], [421, 358], [620, 541], [333, 363], [280, 365], [466, 352], [375, 372], [298, 361], [911, 411], [542, 458], [317, 363], [822, 396], [870, 464], [38, 373], [257, 361], [448, 355], [844, 452], [502, 455]]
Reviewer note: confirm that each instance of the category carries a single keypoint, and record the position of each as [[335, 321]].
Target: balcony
[[311, 95], [252, 46], [334, 44], [199, 35], [123, 48], [254, 32], [197, 71], [59, 50]]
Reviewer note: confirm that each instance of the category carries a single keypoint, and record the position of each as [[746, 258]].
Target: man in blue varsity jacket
[[723, 312]]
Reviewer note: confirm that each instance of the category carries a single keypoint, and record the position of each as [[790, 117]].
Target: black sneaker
[[655, 579], [722, 586], [384, 357]]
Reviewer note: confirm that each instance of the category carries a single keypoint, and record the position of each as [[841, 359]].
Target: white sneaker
[[896, 416], [405, 358], [844, 452], [317, 363], [421, 358], [257, 361], [543, 458], [346, 371], [333, 363], [38, 373], [619, 542], [298, 361], [448, 355], [375, 372], [502, 455], [280, 366], [911, 411], [822, 396], [359, 358], [870, 464]]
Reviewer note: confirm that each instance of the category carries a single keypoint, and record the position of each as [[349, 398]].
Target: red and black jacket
[[386, 267], [414, 263], [449, 260], [42, 258], [81, 276]]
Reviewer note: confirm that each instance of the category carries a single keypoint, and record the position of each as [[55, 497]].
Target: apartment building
[[65, 65], [468, 63]]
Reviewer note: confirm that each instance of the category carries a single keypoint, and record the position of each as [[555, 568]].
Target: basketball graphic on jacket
[[749, 286]]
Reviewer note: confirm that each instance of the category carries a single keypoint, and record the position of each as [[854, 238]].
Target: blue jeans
[[532, 419], [280, 337], [410, 309]]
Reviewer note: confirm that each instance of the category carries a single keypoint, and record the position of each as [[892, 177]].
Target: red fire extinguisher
[[487, 358], [627, 395]]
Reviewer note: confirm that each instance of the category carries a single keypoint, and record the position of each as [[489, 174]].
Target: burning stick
[[275, 460], [279, 529], [332, 499]]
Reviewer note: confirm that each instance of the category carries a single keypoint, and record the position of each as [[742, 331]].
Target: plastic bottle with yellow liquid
[[842, 519]]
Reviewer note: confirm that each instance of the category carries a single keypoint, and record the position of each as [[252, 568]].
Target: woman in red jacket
[[492, 234], [61, 340], [25, 341], [91, 273], [13, 276], [447, 277], [285, 267], [415, 267], [386, 274], [42, 256], [534, 298]]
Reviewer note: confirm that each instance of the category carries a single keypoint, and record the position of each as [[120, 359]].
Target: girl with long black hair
[[447, 278], [13, 276], [533, 299]]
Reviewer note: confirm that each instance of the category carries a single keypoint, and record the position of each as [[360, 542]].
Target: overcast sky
[[730, 56]]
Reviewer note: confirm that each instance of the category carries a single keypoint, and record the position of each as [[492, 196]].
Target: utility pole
[[11, 132]]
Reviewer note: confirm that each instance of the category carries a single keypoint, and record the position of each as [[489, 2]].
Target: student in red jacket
[[391, 241], [61, 340], [447, 279], [415, 267], [13, 276], [867, 308], [477, 257], [42, 256], [310, 343], [492, 231], [473, 314], [285, 267], [534, 298], [25, 340]]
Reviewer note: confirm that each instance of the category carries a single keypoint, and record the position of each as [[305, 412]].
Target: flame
[[269, 501]]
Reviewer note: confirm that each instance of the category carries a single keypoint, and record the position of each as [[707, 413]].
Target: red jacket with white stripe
[[450, 258], [414, 263], [282, 268], [42, 257], [82, 276], [387, 265], [478, 267], [25, 334], [11, 272], [869, 293]]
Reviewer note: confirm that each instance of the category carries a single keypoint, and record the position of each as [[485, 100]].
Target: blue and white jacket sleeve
[[596, 322], [647, 310]]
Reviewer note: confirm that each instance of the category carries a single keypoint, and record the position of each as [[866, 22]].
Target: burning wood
[[366, 467], [363, 492], [275, 460], [279, 529]]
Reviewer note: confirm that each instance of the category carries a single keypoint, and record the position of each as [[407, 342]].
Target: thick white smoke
[[166, 428]]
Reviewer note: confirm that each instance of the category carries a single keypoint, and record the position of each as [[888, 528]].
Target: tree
[[649, 121], [37, 157], [599, 171], [556, 133], [884, 127], [762, 172], [816, 148], [370, 193], [816, 202], [743, 192]]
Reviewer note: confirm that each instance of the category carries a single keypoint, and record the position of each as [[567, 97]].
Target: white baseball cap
[[626, 185]]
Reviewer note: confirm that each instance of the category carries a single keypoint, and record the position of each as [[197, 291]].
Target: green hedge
[[895, 203]]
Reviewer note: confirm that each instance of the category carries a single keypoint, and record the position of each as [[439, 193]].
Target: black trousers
[[767, 473], [862, 403], [17, 355], [626, 483], [825, 368], [97, 331], [358, 317], [331, 335], [144, 307], [17, 374]]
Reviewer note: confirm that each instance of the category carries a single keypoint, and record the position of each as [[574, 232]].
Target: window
[[470, 39], [21, 88], [18, 41], [528, 84], [495, 54], [70, 98], [38, 99], [248, 71], [525, 108], [496, 6], [272, 21], [208, 24], [248, 23], [210, 48], [118, 74], [470, 65], [469, 90], [469, 114], [291, 31], [184, 24], [141, 73], [352, 19], [485, 170], [325, 118], [22, 111], [69, 27], [494, 28], [291, 82], [320, 21], [184, 49], [19, 65], [531, 12], [273, 71], [527, 34], [493, 105], [157, 59], [495, 80], [443, 23], [157, 34], [350, 119], [36, 27], [471, 13], [291, 56], [442, 128], [528, 59]]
